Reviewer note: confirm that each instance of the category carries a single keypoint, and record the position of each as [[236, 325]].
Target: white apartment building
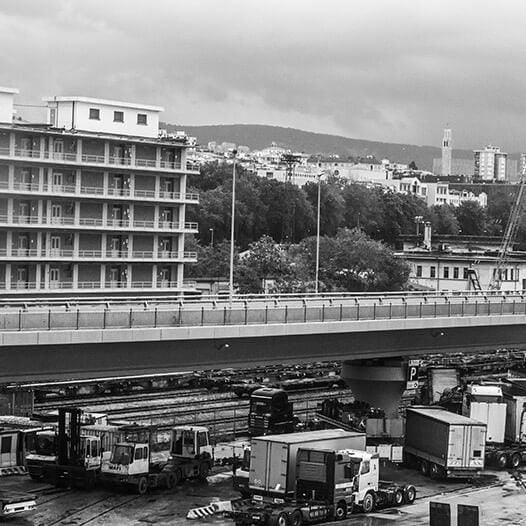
[[93, 199], [490, 164]]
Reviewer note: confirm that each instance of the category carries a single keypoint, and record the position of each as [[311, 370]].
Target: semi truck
[[444, 444], [329, 485], [272, 472], [505, 417], [270, 412]]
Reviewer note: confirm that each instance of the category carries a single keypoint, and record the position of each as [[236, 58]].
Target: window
[[6, 445], [57, 179], [94, 114], [23, 241], [54, 274], [432, 271], [138, 453], [142, 118], [455, 272], [446, 272], [55, 242], [419, 271], [118, 116], [465, 272]]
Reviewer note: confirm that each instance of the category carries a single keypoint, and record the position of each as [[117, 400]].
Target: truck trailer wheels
[[398, 497], [515, 460], [171, 481], [502, 460], [142, 486], [436, 472], [279, 519], [368, 503], [341, 511], [296, 519], [409, 494]]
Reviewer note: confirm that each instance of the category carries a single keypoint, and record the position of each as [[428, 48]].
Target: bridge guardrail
[[180, 314]]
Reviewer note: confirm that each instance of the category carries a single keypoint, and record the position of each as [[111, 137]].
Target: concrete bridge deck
[[87, 339]]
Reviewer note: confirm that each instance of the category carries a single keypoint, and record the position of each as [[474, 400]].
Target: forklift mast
[[69, 448]]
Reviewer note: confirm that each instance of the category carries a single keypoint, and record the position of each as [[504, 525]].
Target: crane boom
[[510, 235]]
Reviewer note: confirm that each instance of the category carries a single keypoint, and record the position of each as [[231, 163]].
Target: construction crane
[[510, 235]]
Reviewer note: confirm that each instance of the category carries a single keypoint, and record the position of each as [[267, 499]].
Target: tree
[[351, 261], [471, 218], [264, 260], [332, 205], [413, 166], [443, 220], [212, 261]]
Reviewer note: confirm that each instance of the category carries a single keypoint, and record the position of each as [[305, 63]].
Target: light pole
[[231, 280], [318, 233], [211, 237]]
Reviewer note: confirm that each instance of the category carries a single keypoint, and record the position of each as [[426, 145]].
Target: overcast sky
[[393, 70]]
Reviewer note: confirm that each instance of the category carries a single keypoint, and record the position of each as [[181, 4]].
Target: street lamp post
[[231, 280], [211, 237], [316, 285]]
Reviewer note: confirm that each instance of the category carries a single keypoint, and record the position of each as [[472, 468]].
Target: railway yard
[[220, 400]]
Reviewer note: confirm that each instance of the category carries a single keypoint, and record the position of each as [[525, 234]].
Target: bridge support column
[[379, 382]]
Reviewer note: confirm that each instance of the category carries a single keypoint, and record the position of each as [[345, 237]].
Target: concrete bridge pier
[[380, 382]]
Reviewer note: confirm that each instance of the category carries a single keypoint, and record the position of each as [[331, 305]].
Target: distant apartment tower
[[490, 164], [93, 200], [446, 153]]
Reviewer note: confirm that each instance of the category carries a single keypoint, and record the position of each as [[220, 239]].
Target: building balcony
[[33, 254], [21, 286], [92, 192], [89, 160], [88, 223]]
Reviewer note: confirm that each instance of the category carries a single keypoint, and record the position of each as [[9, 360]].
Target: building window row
[[118, 116]]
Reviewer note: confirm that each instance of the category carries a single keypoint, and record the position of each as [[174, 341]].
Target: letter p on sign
[[412, 374]]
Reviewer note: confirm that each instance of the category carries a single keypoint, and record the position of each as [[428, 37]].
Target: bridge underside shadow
[[63, 361]]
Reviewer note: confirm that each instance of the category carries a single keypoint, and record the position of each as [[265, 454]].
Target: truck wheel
[[436, 472], [398, 497], [170, 480], [409, 494], [341, 511], [502, 460], [280, 519], [296, 518], [203, 470], [142, 486], [368, 503], [424, 467], [515, 461]]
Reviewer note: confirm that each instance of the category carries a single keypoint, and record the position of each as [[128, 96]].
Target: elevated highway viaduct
[[371, 333]]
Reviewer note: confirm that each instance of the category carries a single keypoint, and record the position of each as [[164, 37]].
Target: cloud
[[393, 71]]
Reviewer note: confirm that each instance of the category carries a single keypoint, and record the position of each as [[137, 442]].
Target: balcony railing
[[108, 284], [27, 253], [98, 159], [97, 222], [97, 191]]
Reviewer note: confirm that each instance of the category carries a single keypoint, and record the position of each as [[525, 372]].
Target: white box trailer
[[444, 444], [273, 457], [515, 418]]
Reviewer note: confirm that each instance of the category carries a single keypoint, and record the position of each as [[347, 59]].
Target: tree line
[[278, 221]]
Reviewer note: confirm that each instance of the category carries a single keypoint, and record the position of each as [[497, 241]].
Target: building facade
[[490, 164], [94, 199]]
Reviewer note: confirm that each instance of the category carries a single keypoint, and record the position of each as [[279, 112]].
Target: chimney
[[427, 235]]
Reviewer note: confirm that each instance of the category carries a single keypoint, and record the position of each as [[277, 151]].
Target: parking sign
[[412, 374]]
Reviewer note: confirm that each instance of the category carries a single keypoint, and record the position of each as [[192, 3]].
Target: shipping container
[[273, 458], [444, 444]]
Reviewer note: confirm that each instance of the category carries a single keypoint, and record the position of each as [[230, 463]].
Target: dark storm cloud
[[388, 70]]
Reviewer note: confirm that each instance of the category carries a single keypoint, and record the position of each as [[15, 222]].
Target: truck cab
[[128, 458], [190, 452]]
